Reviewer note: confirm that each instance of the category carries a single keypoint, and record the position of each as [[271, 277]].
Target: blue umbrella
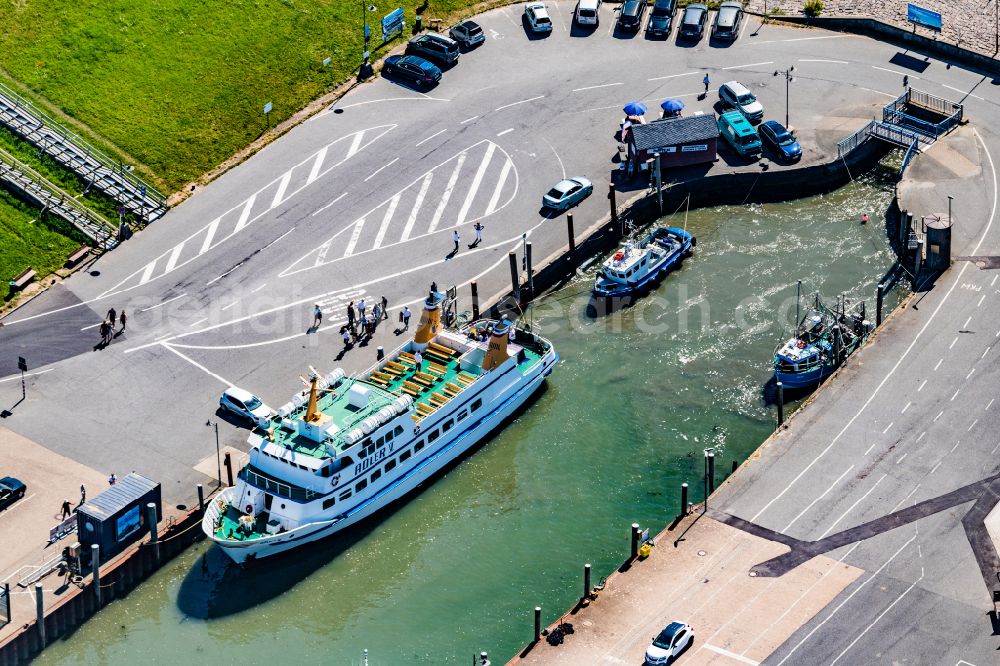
[[634, 109], [672, 105]]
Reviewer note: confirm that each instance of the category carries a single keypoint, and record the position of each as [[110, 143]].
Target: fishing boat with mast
[[824, 338], [640, 263], [344, 447]]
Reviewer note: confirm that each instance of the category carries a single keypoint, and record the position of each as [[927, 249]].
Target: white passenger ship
[[347, 446]]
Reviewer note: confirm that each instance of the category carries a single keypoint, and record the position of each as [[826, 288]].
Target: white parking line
[[900, 459], [195, 323], [893, 71], [973, 425], [887, 427], [966, 324], [384, 166], [964, 92], [970, 373], [836, 62], [981, 299], [320, 210], [753, 64], [934, 469], [956, 394], [523, 101], [28, 374], [955, 447], [732, 655], [852, 507], [938, 416], [989, 404], [811, 504], [953, 342], [922, 385], [880, 616], [671, 76], [603, 85], [160, 305], [938, 364], [431, 137], [906, 408], [921, 435], [468, 120], [506, 131]]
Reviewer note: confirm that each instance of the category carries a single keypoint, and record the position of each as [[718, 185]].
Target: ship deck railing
[[266, 482]]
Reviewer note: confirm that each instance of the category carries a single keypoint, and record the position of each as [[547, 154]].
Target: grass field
[[179, 86], [25, 241]]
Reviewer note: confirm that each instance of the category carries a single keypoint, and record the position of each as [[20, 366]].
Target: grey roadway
[[221, 290]]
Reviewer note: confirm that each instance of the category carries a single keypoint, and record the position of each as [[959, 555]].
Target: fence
[[4, 604], [896, 113], [886, 132]]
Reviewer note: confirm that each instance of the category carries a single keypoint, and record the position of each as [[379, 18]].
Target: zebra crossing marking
[[447, 193]]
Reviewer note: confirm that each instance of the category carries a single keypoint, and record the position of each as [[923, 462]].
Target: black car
[[467, 34], [412, 68], [728, 21], [661, 19], [693, 21], [11, 490], [434, 47], [631, 15]]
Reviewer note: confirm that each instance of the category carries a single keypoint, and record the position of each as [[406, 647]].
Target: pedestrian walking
[[122, 319], [362, 307], [418, 360], [83, 493], [706, 82], [105, 332], [404, 316], [454, 237], [317, 316], [112, 480], [906, 80], [351, 315], [67, 510], [479, 234], [112, 317], [348, 338], [385, 307], [363, 320], [376, 314]]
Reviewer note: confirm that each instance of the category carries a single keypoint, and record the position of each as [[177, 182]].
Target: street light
[[788, 79], [366, 68], [218, 455]]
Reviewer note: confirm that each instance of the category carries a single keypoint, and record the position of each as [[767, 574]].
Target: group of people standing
[[361, 323], [108, 326]]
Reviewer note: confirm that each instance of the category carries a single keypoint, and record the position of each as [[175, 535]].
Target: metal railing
[[886, 132], [275, 487], [70, 150], [896, 112], [4, 604], [940, 105]]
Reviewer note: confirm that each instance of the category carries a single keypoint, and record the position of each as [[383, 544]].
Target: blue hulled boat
[[823, 340], [637, 264]]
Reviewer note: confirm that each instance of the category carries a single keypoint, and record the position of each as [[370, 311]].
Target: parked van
[[588, 12], [739, 133]]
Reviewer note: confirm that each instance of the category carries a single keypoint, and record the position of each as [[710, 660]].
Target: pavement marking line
[[384, 166], [431, 137], [753, 64], [279, 196], [811, 504], [966, 325], [922, 385], [849, 597], [981, 299], [938, 364], [322, 208], [880, 616], [200, 321], [956, 394], [964, 92], [809, 39], [938, 416], [893, 71], [837, 62], [953, 342], [973, 425], [394, 99], [174, 255], [995, 449], [501, 181], [209, 236], [955, 447], [562, 167], [906, 408], [226, 307], [523, 101], [254, 291], [921, 435], [603, 85], [732, 655], [671, 76], [278, 238], [147, 274], [389, 212], [245, 213], [901, 458], [934, 469], [449, 188], [355, 144], [160, 305], [869, 449], [477, 180], [852, 507], [887, 427], [990, 404], [355, 235], [994, 280], [985, 352], [506, 131], [27, 374], [87, 328], [468, 120], [416, 206], [970, 373], [196, 364], [314, 172]]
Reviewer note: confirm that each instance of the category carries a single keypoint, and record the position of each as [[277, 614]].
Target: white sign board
[[268, 107]]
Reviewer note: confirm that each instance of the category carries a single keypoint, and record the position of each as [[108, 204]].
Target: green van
[[739, 133]]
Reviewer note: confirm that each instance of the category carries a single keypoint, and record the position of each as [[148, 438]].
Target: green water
[[623, 421]]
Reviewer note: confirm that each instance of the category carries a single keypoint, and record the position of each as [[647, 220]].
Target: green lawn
[[178, 86], [25, 241]]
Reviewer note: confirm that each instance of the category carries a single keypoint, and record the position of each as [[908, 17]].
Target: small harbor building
[[679, 141]]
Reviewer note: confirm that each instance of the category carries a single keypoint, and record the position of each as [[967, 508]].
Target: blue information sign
[[924, 17], [392, 24]]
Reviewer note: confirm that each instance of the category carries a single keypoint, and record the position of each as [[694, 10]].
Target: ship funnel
[[496, 353], [430, 321]]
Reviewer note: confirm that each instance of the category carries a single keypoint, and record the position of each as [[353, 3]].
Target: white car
[[736, 95], [567, 193], [588, 12], [674, 639], [247, 405], [537, 17]]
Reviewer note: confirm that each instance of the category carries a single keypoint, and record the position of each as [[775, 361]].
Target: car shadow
[[622, 33], [577, 30], [716, 43], [232, 419], [729, 155], [404, 83], [686, 42]]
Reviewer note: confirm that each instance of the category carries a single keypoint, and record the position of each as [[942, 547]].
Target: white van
[[588, 12]]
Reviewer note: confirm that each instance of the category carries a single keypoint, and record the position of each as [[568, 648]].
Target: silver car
[[245, 404], [567, 193]]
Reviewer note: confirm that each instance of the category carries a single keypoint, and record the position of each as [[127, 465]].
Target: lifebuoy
[[249, 508], [800, 344]]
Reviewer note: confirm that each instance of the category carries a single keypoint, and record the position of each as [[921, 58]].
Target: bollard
[[572, 236], [684, 499], [531, 271], [736, 466], [711, 472], [379, 353], [614, 206], [879, 295], [475, 301], [151, 519], [586, 581], [484, 659], [229, 469], [515, 283], [95, 565], [781, 404], [40, 612], [538, 623], [635, 541], [201, 500]]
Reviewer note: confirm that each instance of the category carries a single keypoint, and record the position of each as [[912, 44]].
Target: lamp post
[[366, 68], [788, 79], [218, 455]]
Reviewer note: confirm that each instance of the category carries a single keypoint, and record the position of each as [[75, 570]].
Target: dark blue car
[[412, 68], [11, 490], [779, 140]]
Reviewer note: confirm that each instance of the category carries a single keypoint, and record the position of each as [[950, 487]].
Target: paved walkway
[[970, 24]]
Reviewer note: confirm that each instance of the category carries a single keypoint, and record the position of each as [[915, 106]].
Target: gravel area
[[970, 24]]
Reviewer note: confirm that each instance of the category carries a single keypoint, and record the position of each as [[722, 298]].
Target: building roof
[[117, 497], [674, 131]]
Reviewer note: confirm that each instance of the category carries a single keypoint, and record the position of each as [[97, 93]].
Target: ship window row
[[371, 445], [284, 460]]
